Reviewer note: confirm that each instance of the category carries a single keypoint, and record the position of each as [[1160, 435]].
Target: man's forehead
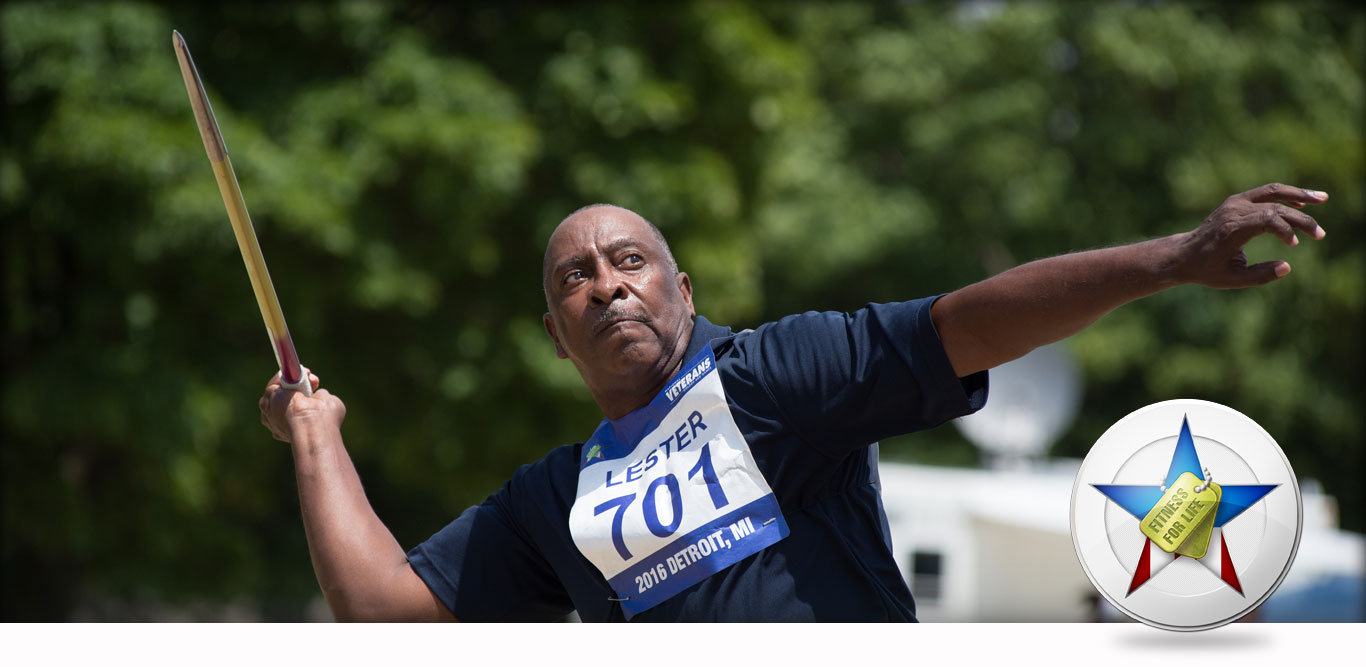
[[593, 226]]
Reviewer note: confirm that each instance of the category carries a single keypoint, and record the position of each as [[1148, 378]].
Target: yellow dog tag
[[1180, 512], [1197, 544]]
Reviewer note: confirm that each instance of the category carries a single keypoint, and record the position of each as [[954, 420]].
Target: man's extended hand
[[1005, 316], [283, 410], [1212, 255]]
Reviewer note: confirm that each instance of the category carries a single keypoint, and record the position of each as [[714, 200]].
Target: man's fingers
[[1300, 220], [265, 414], [1265, 272], [1272, 222], [1276, 219], [1279, 192]]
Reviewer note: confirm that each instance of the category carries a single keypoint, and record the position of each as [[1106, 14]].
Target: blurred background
[[404, 164]]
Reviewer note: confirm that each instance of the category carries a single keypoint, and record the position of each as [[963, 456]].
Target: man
[[734, 476]]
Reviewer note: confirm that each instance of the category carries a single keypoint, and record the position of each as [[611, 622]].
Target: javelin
[[291, 372]]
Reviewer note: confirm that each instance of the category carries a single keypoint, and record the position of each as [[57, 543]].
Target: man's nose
[[608, 287]]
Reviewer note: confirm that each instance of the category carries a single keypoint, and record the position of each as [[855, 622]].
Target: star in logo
[[1139, 500]]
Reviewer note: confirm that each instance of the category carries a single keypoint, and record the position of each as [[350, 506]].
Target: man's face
[[617, 308]]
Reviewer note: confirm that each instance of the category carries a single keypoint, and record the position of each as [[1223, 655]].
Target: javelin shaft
[[291, 372]]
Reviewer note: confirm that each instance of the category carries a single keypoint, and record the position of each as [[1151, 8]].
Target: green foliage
[[404, 165]]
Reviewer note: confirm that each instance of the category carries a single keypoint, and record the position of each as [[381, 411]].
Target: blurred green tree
[[404, 164]]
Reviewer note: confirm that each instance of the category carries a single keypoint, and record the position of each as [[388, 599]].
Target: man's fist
[[284, 412]]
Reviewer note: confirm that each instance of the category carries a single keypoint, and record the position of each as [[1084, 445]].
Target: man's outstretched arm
[[1003, 317], [364, 573]]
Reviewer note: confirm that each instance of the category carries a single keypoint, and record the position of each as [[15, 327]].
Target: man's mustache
[[619, 314]]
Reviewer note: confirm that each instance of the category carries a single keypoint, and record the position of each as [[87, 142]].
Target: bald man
[[733, 477]]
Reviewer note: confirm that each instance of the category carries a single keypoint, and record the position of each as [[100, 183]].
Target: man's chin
[[632, 355], [634, 351]]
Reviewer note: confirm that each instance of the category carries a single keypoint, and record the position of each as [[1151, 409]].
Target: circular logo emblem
[[1186, 515]]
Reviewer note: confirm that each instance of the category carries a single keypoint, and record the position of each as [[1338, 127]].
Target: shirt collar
[[703, 332]]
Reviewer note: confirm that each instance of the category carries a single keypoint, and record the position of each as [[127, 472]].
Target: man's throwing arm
[[364, 573], [1003, 317]]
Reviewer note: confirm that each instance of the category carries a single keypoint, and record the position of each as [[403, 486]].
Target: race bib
[[670, 494]]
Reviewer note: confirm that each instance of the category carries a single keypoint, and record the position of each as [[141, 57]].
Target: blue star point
[[1139, 500]]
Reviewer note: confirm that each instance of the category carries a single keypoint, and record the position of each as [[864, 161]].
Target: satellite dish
[[1031, 402]]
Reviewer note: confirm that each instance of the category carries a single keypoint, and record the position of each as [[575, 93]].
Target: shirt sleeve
[[847, 380], [484, 567]]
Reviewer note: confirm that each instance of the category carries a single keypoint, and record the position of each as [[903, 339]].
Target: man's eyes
[[630, 260]]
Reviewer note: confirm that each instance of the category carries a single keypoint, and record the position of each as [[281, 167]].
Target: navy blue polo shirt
[[811, 393]]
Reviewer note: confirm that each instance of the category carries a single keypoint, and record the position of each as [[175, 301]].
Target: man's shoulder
[[539, 487], [819, 350], [791, 332], [811, 331], [729, 339]]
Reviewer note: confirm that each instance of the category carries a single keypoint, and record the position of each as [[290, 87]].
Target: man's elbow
[[970, 353]]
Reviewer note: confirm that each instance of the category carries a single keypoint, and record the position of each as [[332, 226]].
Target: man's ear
[[685, 287], [550, 329]]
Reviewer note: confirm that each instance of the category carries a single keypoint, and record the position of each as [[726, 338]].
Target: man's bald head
[[616, 305], [654, 231]]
